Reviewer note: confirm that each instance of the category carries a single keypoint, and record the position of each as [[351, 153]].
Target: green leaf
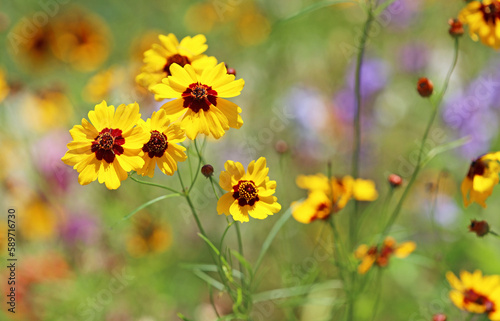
[[212, 246], [445, 147], [182, 317], [210, 280], [274, 231], [296, 291], [209, 268], [151, 202], [314, 7], [243, 262]]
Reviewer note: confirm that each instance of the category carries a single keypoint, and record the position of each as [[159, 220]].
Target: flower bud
[[281, 146], [230, 71], [395, 180], [456, 28], [481, 228], [207, 170], [425, 87], [439, 317]]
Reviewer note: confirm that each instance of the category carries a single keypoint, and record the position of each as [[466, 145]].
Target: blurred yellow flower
[[46, 110], [483, 18], [4, 86], [380, 257], [201, 17], [159, 59], [81, 39], [198, 99], [108, 146], [478, 184], [249, 194], [39, 220], [162, 148], [31, 44], [101, 85], [327, 196], [476, 293], [148, 236]]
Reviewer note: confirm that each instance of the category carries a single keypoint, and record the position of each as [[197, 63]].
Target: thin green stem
[[378, 288], [357, 148], [153, 184], [357, 121], [418, 166]]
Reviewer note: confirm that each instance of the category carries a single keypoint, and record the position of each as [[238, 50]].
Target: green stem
[[418, 166], [378, 288], [357, 147], [153, 184], [357, 121]]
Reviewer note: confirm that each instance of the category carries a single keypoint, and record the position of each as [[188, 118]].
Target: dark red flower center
[[477, 167], [471, 296], [491, 12], [321, 208], [384, 255], [246, 193], [108, 144], [157, 144], [175, 59], [198, 96]]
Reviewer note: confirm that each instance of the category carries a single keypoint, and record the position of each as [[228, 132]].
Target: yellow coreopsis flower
[[198, 99], [159, 59], [81, 39], [249, 194], [162, 148], [327, 196], [483, 18], [380, 256], [476, 293], [148, 236], [478, 184], [108, 146]]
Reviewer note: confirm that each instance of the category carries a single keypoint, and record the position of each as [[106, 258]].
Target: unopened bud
[[481, 228], [456, 28], [439, 317], [230, 71], [207, 170], [395, 180], [281, 146], [425, 87]]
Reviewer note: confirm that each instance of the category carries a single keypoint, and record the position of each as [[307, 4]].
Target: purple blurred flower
[[474, 112], [401, 14], [413, 57], [374, 76], [80, 228], [48, 151]]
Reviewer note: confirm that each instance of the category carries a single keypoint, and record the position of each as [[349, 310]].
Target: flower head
[[159, 59], [380, 255], [162, 148], [81, 39], [198, 99], [483, 18], [478, 184], [148, 236], [108, 146], [476, 293], [327, 196], [250, 193]]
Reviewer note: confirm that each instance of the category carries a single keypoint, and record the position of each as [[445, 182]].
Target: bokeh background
[[77, 258]]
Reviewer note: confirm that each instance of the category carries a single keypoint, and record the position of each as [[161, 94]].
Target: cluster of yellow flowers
[[117, 141]]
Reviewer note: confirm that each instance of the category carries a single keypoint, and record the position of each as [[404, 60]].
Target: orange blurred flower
[[81, 39]]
